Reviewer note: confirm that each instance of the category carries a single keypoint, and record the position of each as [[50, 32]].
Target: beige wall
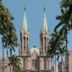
[[70, 61]]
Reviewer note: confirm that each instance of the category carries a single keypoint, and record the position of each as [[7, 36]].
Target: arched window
[[24, 43], [45, 43], [44, 63], [42, 44], [27, 43]]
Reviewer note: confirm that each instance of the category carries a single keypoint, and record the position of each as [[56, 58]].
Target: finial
[[44, 9], [34, 45], [24, 25], [24, 8]]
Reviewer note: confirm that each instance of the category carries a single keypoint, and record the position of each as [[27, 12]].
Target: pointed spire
[[24, 25], [44, 25]]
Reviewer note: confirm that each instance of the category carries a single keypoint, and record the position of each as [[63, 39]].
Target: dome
[[34, 49]]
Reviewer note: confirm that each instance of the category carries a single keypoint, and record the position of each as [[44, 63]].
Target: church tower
[[44, 36], [34, 60], [44, 60], [24, 36]]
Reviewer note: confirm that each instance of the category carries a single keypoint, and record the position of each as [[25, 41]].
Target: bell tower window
[[24, 43], [27, 43], [45, 43]]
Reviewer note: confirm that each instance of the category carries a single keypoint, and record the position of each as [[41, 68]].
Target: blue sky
[[34, 10]]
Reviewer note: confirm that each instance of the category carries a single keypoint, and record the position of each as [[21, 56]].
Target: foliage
[[15, 62], [58, 41], [7, 30], [56, 45]]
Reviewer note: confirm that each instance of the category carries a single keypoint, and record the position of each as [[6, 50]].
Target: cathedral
[[34, 59]]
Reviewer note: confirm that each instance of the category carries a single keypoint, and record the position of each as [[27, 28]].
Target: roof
[[34, 49]]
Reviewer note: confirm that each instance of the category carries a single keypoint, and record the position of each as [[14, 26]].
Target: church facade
[[34, 59]]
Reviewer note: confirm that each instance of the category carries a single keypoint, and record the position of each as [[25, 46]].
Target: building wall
[[66, 66], [61, 67], [70, 61], [6, 65]]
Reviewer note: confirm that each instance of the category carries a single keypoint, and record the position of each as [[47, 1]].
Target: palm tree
[[57, 46], [7, 30], [65, 24], [15, 63], [3, 22], [11, 42], [59, 36], [52, 48]]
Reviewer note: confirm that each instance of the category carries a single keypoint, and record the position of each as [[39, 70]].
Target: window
[[24, 43], [45, 43], [42, 44], [44, 63], [27, 43]]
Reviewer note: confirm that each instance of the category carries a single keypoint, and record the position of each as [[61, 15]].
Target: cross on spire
[[44, 9], [24, 25], [24, 8]]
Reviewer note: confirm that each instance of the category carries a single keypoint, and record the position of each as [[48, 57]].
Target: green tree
[[58, 41], [56, 46], [15, 63], [4, 18], [7, 31], [65, 24], [11, 43]]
